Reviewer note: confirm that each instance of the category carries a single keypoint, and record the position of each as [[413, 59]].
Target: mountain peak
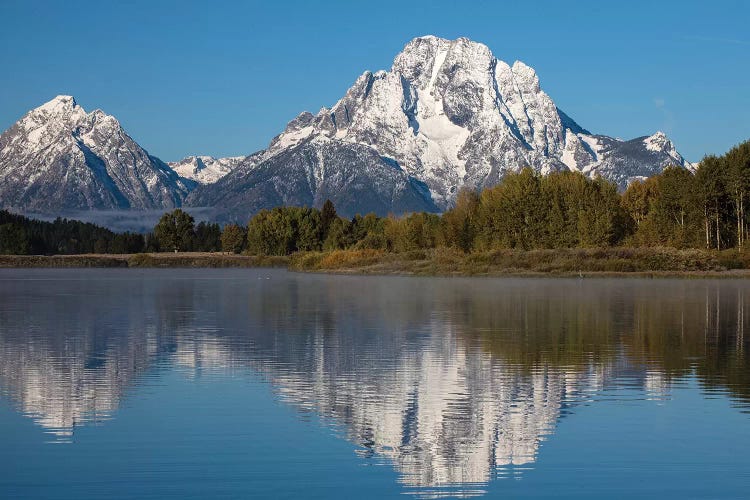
[[58, 157], [205, 169], [437, 40], [60, 103], [450, 114], [65, 99], [424, 49]]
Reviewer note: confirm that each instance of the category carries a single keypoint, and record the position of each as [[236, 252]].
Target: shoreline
[[561, 263], [150, 260]]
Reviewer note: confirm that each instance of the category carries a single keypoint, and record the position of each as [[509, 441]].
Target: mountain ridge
[[205, 169], [447, 115]]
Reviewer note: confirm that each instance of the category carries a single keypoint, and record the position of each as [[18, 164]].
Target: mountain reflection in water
[[452, 381]]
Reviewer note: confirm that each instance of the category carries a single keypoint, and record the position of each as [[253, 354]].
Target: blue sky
[[223, 78]]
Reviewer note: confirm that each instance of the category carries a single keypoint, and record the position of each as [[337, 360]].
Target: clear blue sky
[[223, 78]]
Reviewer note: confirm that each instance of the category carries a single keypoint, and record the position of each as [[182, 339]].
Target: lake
[[261, 383]]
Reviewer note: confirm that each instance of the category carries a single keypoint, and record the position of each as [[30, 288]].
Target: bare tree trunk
[[708, 229], [739, 224], [718, 236], [742, 219]]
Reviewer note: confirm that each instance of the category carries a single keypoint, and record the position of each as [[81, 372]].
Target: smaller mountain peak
[[65, 99], [522, 71], [428, 38], [522, 67], [59, 103], [658, 142], [302, 120], [104, 117], [658, 136]]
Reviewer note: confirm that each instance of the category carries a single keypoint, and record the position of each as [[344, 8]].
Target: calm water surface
[[263, 383]]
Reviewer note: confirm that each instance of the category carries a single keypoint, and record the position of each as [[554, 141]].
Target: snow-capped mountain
[[59, 157], [205, 169], [448, 114]]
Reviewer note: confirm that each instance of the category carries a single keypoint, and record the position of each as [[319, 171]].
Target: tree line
[[706, 209], [677, 208], [21, 235], [680, 208]]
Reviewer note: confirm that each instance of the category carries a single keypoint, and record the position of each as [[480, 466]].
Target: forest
[[677, 208], [21, 235], [704, 209]]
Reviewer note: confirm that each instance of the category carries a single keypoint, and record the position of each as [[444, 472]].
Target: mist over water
[[187, 383], [134, 221]]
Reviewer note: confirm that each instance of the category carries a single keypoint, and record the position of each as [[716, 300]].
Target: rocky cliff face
[[448, 114], [59, 157]]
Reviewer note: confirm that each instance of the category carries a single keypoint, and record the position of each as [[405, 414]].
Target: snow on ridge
[[57, 103], [447, 114], [451, 114], [656, 142], [205, 169]]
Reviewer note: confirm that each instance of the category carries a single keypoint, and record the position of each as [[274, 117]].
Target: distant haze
[[138, 221]]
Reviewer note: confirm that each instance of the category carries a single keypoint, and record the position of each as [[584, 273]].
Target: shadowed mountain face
[[58, 157], [354, 177], [448, 114], [453, 382]]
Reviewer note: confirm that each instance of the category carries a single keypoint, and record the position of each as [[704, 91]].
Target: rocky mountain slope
[[355, 177], [59, 157], [448, 114]]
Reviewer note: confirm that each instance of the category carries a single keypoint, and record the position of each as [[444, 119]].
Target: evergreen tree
[[207, 237], [327, 216], [13, 239], [175, 231], [460, 223], [233, 238], [309, 229], [338, 235]]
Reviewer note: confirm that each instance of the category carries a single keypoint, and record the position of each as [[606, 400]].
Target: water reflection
[[453, 382]]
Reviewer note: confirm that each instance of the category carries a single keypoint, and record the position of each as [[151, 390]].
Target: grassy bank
[[560, 262], [143, 260], [435, 262]]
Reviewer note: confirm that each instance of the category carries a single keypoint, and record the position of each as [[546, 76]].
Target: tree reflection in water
[[453, 381]]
